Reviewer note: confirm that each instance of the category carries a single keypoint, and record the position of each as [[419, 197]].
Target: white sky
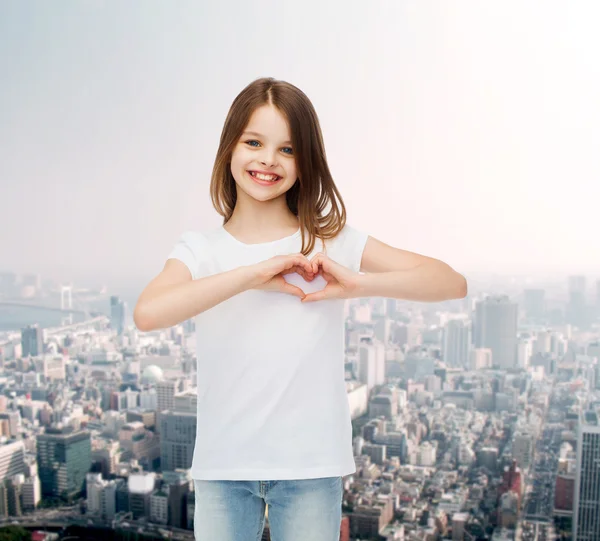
[[467, 131]]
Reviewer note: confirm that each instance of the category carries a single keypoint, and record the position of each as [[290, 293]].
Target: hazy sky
[[467, 131]]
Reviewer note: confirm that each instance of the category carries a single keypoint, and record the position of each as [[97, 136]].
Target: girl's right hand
[[269, 274]]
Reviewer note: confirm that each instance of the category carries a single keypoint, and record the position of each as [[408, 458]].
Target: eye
[[251, 142]]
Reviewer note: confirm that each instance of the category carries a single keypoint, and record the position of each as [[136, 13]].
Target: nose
[[268, 159]]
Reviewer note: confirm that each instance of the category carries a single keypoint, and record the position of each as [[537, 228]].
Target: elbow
[[454, 285], [463, 288], [141, 319], [456, 288]]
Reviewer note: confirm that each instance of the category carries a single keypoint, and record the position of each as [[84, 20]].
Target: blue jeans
[[299, 510]]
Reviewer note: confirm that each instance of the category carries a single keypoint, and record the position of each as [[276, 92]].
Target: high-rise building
[[577, 313], [10, 423], [534, 304], [12, 459], [101, 496], [564, 491], [179, 484], [64, 459], [118, 314], [14, 495], [456, 343], [141, 485], [371, 363], [586, 516], [177, 439], [495, 327], [32, 492], [165, 394], [512, 481], [32, 341]]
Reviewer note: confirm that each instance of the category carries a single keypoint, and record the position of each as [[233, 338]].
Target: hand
[[269, 274], [342, 283]]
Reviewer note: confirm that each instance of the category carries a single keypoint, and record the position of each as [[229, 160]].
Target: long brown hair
[[314, 190]]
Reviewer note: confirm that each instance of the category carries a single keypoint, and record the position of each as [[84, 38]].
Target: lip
[[262, 172], [263, 182]]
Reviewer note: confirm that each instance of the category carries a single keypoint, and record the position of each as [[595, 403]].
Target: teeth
[[259, 176]]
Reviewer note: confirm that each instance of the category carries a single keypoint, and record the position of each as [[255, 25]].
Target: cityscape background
[[463, 131]]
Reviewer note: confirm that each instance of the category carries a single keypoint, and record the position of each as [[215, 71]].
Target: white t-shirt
[[272, 400]]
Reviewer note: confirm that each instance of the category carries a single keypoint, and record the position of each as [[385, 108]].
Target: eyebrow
[[260, 135]]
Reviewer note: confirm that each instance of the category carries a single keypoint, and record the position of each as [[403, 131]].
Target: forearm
[[171, 305], [430, 282]]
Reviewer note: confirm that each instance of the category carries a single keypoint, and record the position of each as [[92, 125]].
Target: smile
[[263, 179]]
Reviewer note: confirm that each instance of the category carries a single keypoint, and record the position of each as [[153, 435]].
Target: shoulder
[[349, 233], [193, 247], [202, 238], [347, 246], [192, 239]]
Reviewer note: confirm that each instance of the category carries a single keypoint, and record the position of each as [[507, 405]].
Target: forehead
[[270, 122]]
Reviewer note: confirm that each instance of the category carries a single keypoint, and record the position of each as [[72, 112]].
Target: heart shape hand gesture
[[342, 283]]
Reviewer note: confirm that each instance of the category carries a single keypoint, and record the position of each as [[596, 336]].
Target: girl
[[267, 291]]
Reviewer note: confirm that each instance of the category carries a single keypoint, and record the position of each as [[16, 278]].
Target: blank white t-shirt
[[272, 400]]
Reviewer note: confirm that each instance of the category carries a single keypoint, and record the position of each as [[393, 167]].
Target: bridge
[[70, 301]]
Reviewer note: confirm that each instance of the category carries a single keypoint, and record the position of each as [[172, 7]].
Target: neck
[[262, 218]]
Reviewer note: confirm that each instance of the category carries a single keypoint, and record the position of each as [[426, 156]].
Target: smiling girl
[[267, 290]]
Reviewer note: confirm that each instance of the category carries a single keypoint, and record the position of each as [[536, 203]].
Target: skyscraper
[[118, 314], [456, 343], [586, 508], [64, 459], [577, 313], [177, 439], [12, 459], [534, 303], [32, 341], [495, 327], [371, 362]]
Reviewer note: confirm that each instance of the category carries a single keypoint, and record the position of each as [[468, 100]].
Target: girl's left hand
[[342, 283]]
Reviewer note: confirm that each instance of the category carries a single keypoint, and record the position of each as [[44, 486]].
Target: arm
[[399, 274], [173, 297]]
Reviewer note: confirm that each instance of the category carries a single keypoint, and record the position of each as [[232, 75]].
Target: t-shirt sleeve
[[350, 246], [191, 250]]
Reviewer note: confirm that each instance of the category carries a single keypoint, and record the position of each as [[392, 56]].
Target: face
[[262, 162]]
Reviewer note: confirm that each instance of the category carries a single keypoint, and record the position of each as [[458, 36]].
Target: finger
[[298, 261], [328, 266], [291, 270], [318, 262], [317, 296], [314, 264], [293, 290], [302, 266], [306, 264], [307, 275]]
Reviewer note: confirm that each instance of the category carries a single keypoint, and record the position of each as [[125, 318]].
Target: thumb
[[316, 296], [292, 290]]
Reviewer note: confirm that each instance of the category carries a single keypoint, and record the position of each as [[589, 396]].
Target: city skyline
[[462, 131]]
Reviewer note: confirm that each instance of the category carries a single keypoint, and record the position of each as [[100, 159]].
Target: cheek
[[291, 171], [237, 160]]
